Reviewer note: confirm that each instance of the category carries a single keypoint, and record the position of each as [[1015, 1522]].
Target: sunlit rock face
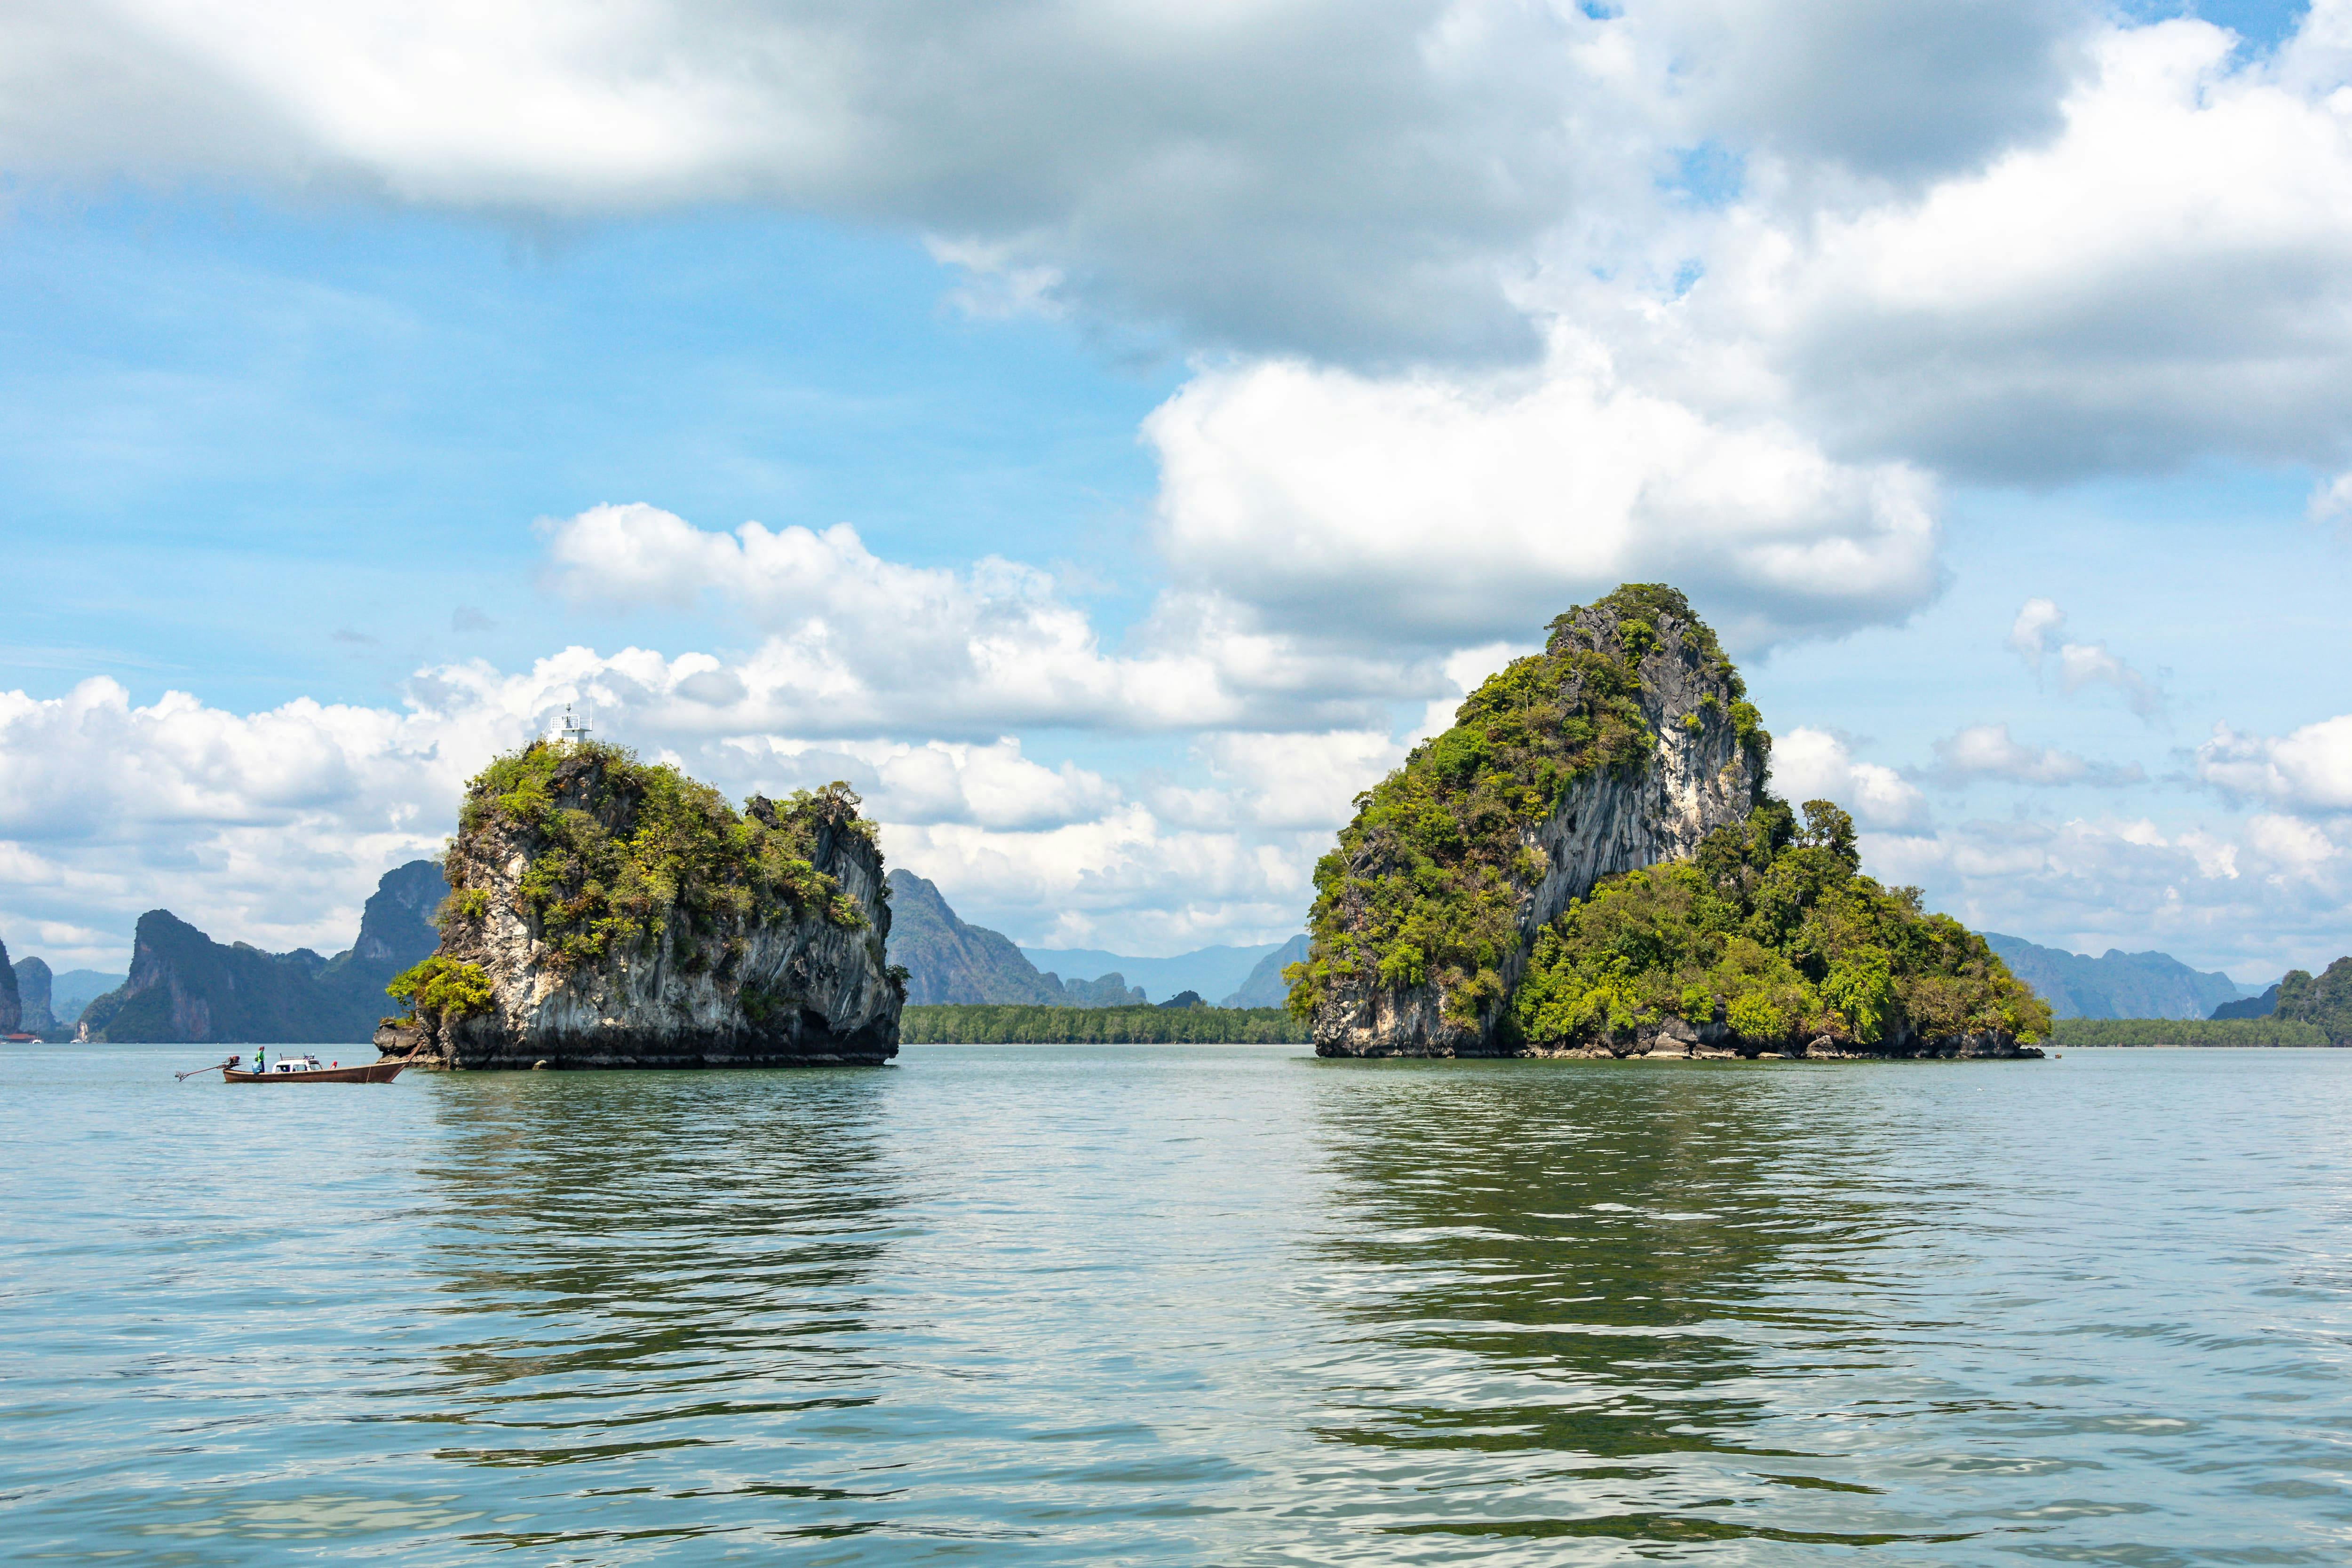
[[760, 943], [1702, 767]]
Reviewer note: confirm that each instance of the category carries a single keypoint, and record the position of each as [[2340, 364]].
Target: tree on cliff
[[1587, 857], [1773, 930], [2324, 1000]]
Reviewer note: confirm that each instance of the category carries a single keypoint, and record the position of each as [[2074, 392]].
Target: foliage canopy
[[2262, 1031], [1773, 925], [1425, 882], [988, 1024], [2323, 1001], [442, 988], [627, 851]]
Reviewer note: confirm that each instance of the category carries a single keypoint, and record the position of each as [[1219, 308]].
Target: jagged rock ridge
[[2117, 984], [1625, 742], [34, 983], [1587, 865], [948, 960], [608, 913], [183, 986]]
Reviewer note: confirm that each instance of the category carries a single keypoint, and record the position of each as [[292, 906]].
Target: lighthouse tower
[[571, 731]]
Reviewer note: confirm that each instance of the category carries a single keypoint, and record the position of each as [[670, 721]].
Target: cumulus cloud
[[1896, 89], [1433, 509], [269, 828], [2038, 632], [1817, 765], [2163, 277], [2307, 770], [2331, 500], [272, 828], [2256, 897], [1337, 178], [1989, 751], [859, 645]]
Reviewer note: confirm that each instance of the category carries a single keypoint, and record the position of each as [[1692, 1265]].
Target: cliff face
[[12, 1007], [610, 913], [950, 961], [183, 986], [32, 992], [1625, 742]]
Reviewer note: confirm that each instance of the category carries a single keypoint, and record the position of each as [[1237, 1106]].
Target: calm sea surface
[[1142, 1305]]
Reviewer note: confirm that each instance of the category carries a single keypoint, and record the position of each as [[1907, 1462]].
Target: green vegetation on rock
[[984, 1024], [441, 988], [2324, 1001], [1774, 925], [687, 853], [2262, 1032], [1426, 881]]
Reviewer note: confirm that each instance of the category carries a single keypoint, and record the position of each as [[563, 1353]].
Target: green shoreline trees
[[1771, 929]]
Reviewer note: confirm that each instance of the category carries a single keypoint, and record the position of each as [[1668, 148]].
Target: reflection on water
[[1562, 1305], [629, 1273], [1072, 1306]]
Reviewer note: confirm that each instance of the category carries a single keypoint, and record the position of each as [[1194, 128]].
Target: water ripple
[[1182, 1305]]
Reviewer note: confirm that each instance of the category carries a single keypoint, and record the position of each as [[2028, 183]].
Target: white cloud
[[2331, 500], [1816, 765], [2164, 278], [2037, 623], [1989, 751], [857, 645], [2041, 623], [1337, 178], [1438, 510], [2268, 894], [2307, 770]]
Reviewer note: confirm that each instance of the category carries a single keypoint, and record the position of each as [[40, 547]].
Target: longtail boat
[[305, 1069]]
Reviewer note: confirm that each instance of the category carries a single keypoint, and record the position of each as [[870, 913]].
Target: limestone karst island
[[604, 912], [1588, 863]]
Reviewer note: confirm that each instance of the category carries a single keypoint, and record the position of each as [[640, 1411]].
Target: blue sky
[[1208, 397]]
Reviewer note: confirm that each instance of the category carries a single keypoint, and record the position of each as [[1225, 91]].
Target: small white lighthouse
[[571, 731]]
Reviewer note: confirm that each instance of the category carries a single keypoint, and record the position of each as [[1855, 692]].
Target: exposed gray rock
[[1698, 776], [33, 993], [775, 985]]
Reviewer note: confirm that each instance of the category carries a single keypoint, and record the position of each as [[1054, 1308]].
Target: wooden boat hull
[[373, 1072]]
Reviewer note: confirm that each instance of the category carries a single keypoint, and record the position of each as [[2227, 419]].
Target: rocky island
[[605, 911], [1588, 863]]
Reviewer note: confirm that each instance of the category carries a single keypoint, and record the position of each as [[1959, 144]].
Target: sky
[[1110, 432]]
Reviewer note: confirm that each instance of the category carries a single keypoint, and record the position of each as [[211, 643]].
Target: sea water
[[1181, 1305]]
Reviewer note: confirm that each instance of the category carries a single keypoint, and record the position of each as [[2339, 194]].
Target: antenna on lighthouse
[[572, 731]]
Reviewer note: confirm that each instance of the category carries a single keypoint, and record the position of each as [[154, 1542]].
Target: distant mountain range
[[948, 959], [1213, 972], [2115, 984], [183, 986], [1265, 987]]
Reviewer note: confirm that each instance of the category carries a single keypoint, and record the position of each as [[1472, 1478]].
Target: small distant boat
[[305, 1069]]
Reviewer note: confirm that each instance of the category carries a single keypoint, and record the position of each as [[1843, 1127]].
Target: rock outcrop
[[34, 983], [948, 960], [12, 1007], [1649, 745], [183, 986], [606, 913], [1587, 864]]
